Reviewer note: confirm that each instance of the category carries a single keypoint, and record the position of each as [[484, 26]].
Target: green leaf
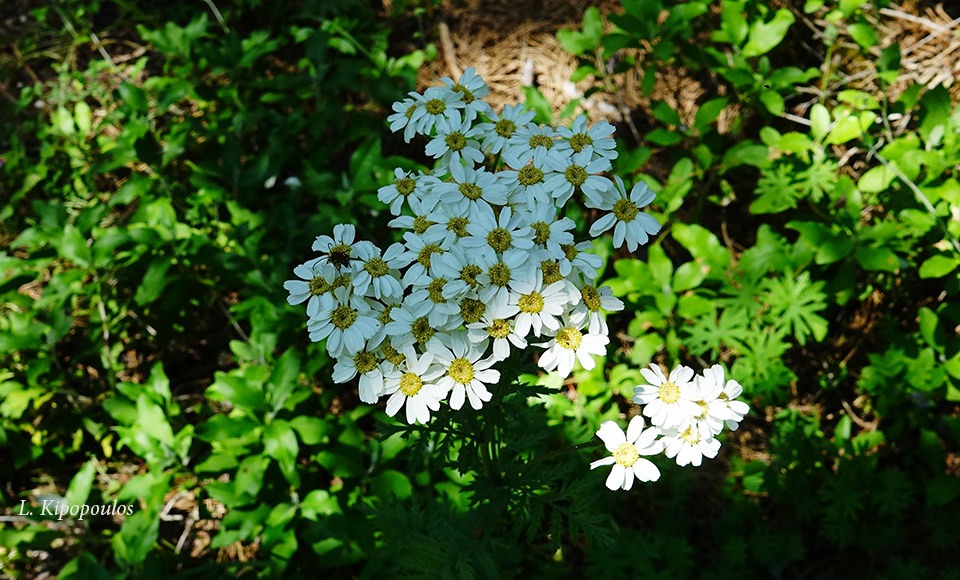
[[392, 484], [280, 443], [73, 246], [877, 258], [745, 153], [794, 303], [707, 251], [80, 486], [819, 121], [863, 34], [733, 23], [776, 191], [319, 503], [312, 430], [708, 112], [772, 101], [764, 36], [665, 114], [154, 281], [843, 428], [152, 421], [540, 105], [939, 266], [663, 137], [876, 179], [588, 38], [930, 328], [136, 538], [83, 117], [830, 246]]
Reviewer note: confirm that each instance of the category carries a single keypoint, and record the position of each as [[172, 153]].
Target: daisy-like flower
[[593, 301], [549, 232], [497, 325], [579, 258], [413, 385], [471, 89], [502, 233], [504, 126], [437, 104], [735, 410], [411, 324], [404, 185], [470, 189], [712, 411], [314, 286], [667, 401], [540, 307], [367, 365], [628, 222], [529, 143], [570, 344], [689, 446], [346, 326], [463, 268], [577, 171], [499, 277], [455, 142], [419, 255], [336, 250], [419, 222], [429, 289], [403, 112], [597, 140], [378, 275], [527, 183], [626, 450], [464, 373]]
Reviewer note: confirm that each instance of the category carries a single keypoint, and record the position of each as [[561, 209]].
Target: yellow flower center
[[423, 256], [421, 330], [690, 437], [384, 317], [499, 274], [405, 186], [435, 106], [435, 290], [575, 175], [393, 355], [625, 210], [551, 271], [591, 298], [455, 141], [340, 255], [531, 303], [529, 175], [421, 223], [470, 191], [499, 239], [376, 267], [570, 251], [458, 225], [541, 141], [465, 93], [364, 361], [461, 371], [469, 274], [471, 310], [319, 286], [505, 128], [499, 328], [626, 454], [569, 338], [579, 141], [541, 232], [410, 384], [343, 317], [704, 408], [669, 393]]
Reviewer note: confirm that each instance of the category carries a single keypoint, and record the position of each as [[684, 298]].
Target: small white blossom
[[629, 224], [626, 450]]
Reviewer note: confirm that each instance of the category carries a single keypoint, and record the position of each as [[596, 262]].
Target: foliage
[[155, 194]]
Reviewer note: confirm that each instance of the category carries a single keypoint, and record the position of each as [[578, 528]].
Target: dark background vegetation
[[165, 168]]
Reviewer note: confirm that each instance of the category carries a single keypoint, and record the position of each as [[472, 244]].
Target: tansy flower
[[626, 450], [413, 385], [629, 224], [667, 401]]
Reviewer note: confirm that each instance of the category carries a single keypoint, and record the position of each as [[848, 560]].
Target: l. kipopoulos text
[[58, 508]]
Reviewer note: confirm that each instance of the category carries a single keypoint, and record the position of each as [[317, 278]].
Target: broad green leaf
[[392, 484], [154, 281], [579, 42], [704, 246], [665, 114], [772, 101], [540, 105], [819, 121], [80, 486], [663, 137], [83, 117], [863, 34], [745, 153], [765, 36], [137, 536], [709, 111], [876, 179], [939, 266], [280, 443], [152, 421], [877, 258]]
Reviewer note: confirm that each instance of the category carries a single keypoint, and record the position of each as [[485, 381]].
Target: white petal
[[616, 477]]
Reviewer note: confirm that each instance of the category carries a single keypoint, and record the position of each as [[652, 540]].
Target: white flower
[[378, 275], [455, 141], [366, 364], [689, 446], [404, 185], [429, 289], [667, 401], [570, 344], [529, 143], [549, 232], [500, 233], [314, 287], [632, 225], [437, 104], [336, 250], [711, 410], [598, 140], [404, 110], [527, 184], [735, 410], [626, 450], [592, 301], [347, 326], [462, 268], [504, 126], [513, 265], [464, 373], [471, 89], [470, 189], [497, 324], [419, 255], [577, 171], [411, 324], [420, 222], [539, 307], [413, 385], [579, 258]]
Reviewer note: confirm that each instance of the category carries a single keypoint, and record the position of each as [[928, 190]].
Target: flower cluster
[[686, 414], [487, 265]]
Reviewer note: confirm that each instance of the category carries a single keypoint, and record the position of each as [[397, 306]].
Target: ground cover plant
[[166, 173]]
